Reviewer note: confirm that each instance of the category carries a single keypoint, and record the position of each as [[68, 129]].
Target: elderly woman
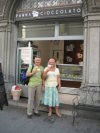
[[52, 85]]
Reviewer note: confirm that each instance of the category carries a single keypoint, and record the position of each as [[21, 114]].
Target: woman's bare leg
[[58, 111], [50, 111]]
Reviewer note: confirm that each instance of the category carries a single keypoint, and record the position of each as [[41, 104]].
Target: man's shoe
[[29, 116], [37, 114]]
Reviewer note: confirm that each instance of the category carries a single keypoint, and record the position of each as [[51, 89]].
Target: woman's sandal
[[59, 115], [49, 114]]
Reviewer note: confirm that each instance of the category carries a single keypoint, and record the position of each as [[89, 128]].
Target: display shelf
[[71, 72]]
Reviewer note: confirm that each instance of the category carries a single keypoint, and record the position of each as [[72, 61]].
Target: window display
[[73, 52], [70, 72]]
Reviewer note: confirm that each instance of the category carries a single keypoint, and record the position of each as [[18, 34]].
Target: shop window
[[71, 29], [27, 4], [73, 52], [45, 30]]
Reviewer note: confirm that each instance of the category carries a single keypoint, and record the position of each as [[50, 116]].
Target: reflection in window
[[31, 4], [40, 3]]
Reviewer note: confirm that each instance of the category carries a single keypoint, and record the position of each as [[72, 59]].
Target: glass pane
[[71, 29], [71, 72], [24, 59], [30, 4], [30, 30]]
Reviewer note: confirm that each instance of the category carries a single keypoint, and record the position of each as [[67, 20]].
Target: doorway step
[[66, 101]]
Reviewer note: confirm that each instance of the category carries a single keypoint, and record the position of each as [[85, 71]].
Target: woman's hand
[[59, 87]]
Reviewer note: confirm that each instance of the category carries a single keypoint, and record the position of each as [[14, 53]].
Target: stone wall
[[8, 42]]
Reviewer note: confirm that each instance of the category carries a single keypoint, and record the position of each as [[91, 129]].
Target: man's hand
[[35, 70], [43, 88]]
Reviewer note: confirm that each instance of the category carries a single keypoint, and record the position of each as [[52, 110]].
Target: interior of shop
[[50, 48], [69, 55]]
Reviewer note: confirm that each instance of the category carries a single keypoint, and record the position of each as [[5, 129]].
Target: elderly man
[[34, 87]]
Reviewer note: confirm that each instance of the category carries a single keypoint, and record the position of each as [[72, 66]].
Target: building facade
[[64, 22]]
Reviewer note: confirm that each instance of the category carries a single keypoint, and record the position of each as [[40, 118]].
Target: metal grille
[[31, 4]]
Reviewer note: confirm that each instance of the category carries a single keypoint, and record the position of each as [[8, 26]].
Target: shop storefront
[[66, 29], [55, 30]]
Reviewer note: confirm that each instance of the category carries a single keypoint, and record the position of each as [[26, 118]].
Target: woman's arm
[[59, 82], [45, 73]]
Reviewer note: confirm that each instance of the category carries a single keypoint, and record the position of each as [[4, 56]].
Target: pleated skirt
[[51, 97]]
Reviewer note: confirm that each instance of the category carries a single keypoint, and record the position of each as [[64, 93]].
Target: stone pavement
[[13, 119]]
